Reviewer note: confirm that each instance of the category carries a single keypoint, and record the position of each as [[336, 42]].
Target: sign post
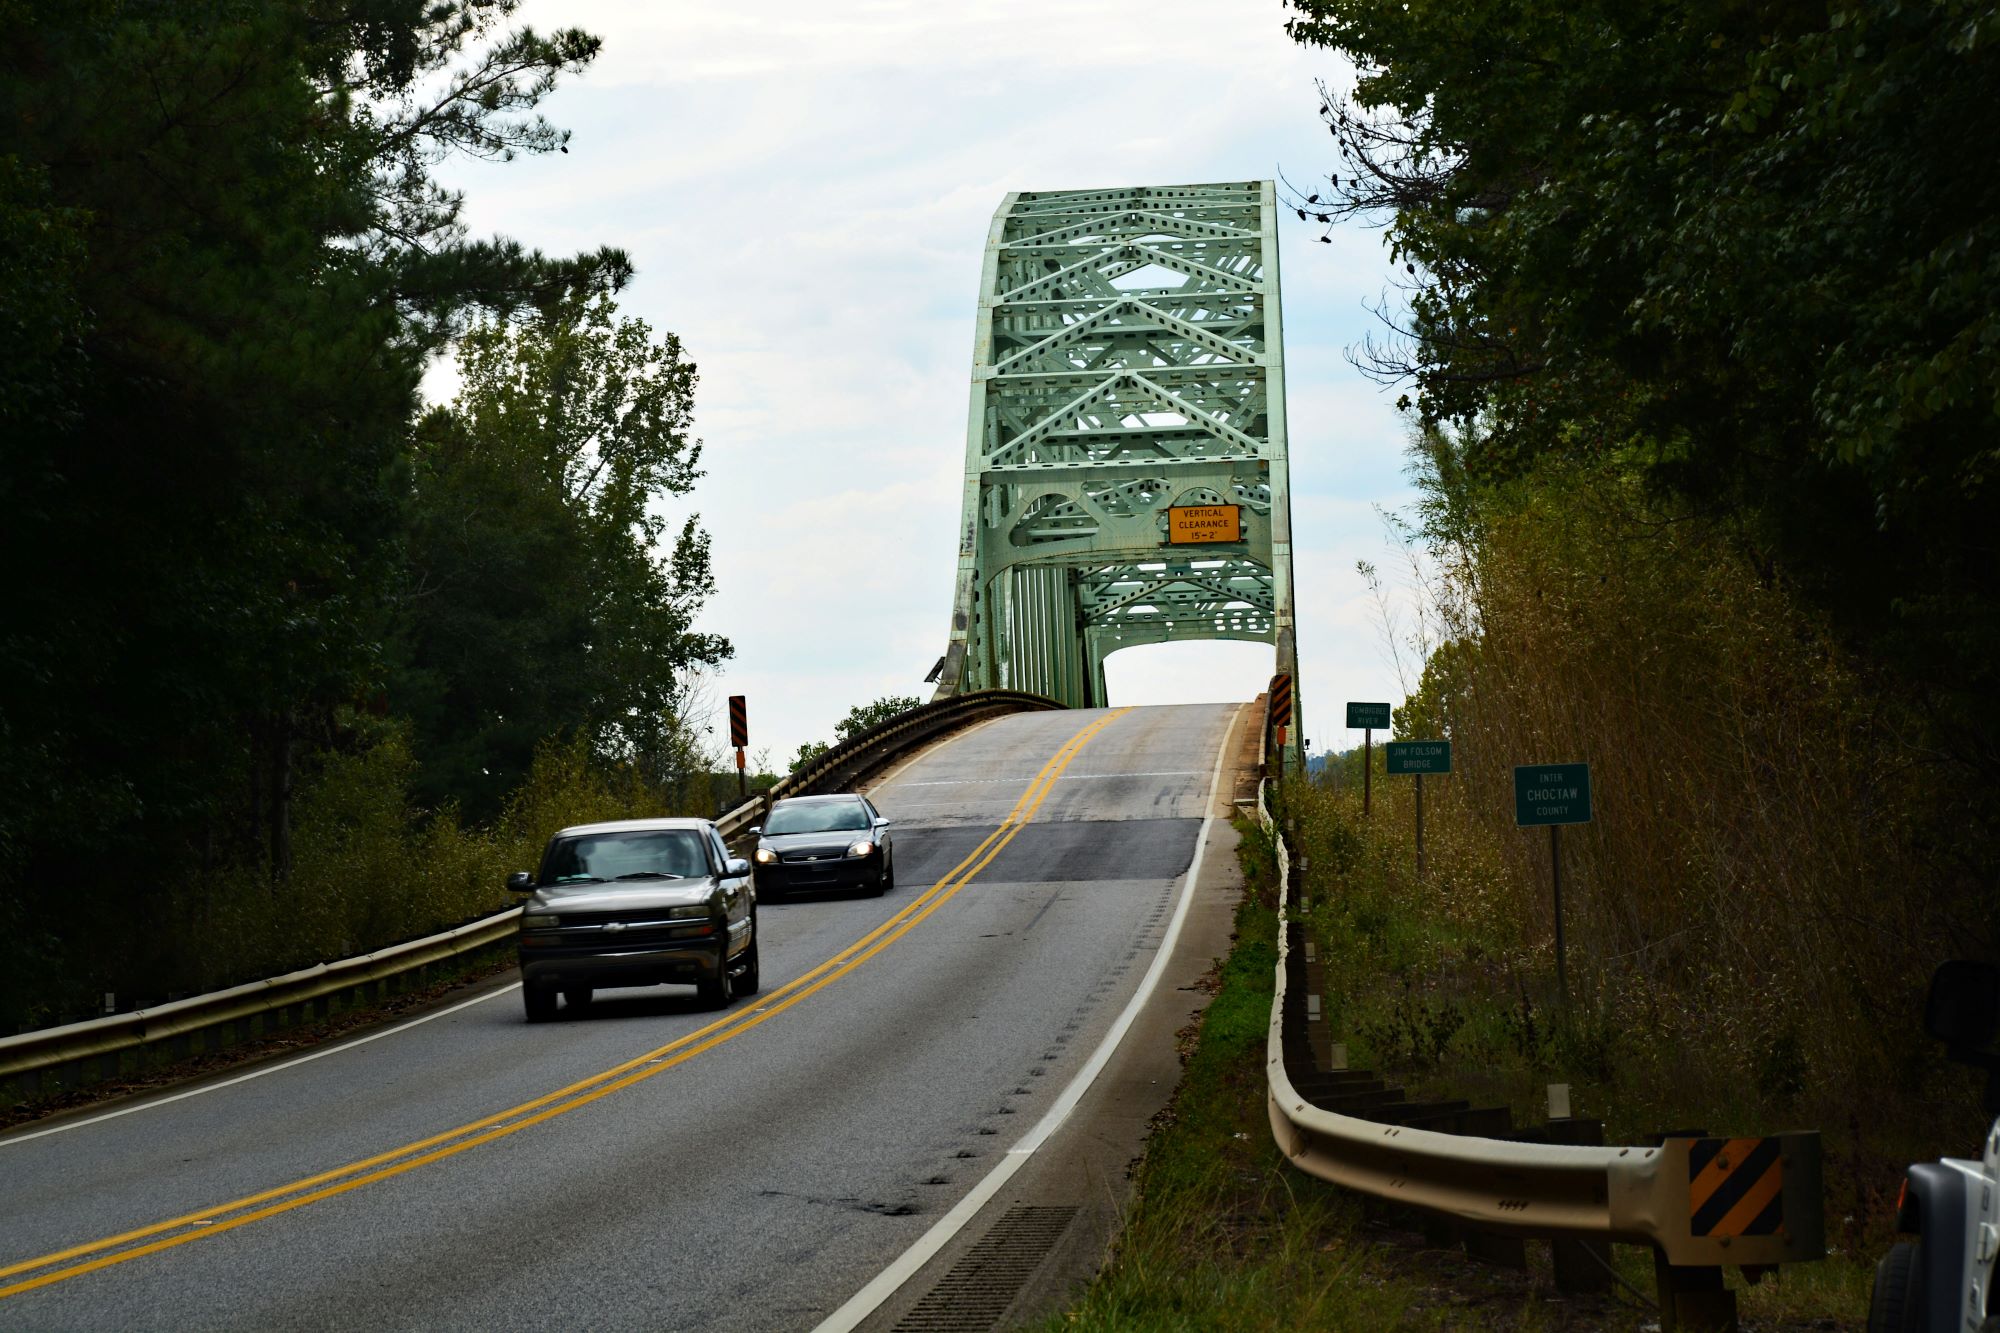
[[1367, 717], [1419, 758], [739, 736], [1553, 794]]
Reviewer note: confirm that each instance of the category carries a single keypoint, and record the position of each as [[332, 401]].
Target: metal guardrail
[[1634, 1195], [94, 1049], [32, 1063]]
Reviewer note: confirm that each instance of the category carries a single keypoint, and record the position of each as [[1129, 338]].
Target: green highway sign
[[1364, 717], [1417, 756], [1551, 794]]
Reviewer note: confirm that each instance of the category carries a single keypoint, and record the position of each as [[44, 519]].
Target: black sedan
[[824, 842]]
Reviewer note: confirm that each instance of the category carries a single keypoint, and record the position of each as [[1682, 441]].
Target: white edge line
[[151, 1102], [885, 1284], [259, 1072]]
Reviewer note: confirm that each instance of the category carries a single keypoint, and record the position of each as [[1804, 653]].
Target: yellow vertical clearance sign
[[1204, 523]]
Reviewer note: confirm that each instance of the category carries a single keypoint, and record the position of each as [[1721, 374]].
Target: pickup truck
[[636, 902]]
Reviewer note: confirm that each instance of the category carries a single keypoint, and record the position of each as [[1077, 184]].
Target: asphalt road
[[647, 1164]]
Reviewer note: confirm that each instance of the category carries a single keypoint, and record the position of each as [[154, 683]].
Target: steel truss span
[[1128, 360]]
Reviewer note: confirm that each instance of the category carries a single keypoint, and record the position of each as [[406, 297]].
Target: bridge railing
[[62, 1058], [866, 752]]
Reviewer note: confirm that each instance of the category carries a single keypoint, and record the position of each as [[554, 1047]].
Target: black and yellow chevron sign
[[1736, 1187]]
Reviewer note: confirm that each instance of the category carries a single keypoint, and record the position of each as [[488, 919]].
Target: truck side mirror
[[520, 882]]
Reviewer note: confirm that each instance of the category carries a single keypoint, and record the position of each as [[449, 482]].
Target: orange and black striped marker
[[1736, 1187], [739, 720], [1281, 699]]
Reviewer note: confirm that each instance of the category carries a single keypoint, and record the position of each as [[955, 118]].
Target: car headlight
[[544, 922], [766, 857], [862, 848], [691, 912]]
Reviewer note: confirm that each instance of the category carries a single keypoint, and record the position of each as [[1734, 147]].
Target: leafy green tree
[[860, 718], [1738, 249], [538, 603], [866, 717], [226, 265]]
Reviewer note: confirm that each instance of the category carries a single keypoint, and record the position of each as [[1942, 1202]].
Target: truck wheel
[[1897, 1304], [747, 981], [718, 993], [539, 1001]]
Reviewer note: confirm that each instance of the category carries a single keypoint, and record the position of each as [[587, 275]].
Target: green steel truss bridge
[[1128, 359]]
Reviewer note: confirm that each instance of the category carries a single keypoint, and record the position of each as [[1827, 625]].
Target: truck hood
[[619, 896]]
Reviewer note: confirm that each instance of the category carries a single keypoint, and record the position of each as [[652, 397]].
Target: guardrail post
[[1490, 1247], [1580, 1263], [1693, 1300]]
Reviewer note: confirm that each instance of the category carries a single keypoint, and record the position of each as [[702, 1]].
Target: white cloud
[[806, 191]]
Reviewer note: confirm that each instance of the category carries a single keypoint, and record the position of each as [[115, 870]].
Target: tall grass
[[1774, 867]]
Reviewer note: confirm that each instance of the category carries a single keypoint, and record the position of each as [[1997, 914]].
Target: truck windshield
[[673, 853]]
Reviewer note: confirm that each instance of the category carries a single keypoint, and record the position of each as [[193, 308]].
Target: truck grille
[[653, 917], [814, 854]]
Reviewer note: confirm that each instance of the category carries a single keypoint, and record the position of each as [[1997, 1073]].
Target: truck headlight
[[862, 848], [766, 857], [691, 912], [542, 922]]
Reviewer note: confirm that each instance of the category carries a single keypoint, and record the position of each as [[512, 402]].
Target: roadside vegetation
[[1446, 985], [1776, 862], [1224, 1234]]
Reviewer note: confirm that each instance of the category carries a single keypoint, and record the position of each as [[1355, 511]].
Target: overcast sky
[[806, 189]]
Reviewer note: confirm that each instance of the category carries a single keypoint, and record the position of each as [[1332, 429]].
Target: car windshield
[[817, 817], [654, 854]]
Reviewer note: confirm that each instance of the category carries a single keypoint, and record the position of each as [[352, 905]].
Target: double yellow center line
[[126, 1246]]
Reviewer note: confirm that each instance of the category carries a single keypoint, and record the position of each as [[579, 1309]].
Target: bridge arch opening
[[1190, 671]]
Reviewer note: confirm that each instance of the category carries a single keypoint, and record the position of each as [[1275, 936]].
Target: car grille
[[812, 854]]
